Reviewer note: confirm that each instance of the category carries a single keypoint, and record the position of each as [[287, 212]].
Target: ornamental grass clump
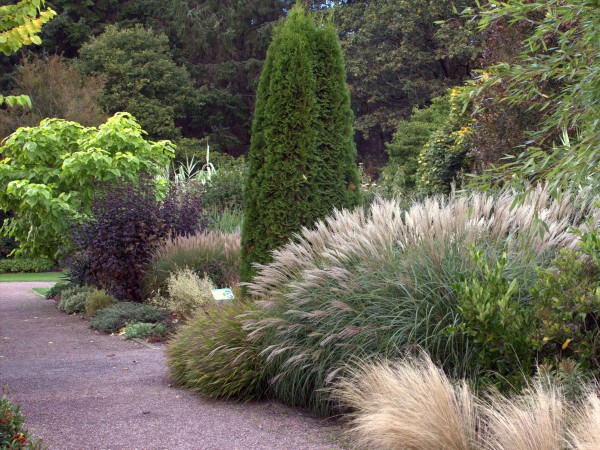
[[378, 283], [212, 253], [534, 420], [412, 404], [408, 404], [186, 292], [211, 354], [584, 433], [97, 300]]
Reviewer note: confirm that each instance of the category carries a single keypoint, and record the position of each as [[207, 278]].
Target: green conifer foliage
[[301, 161]]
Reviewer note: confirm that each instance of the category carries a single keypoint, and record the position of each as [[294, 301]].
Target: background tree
[[49, 173], [399, 174], [77, 21], [397, 58], [56, 89], [297, 172], [224, 58], [20, 24], [555, 76], [141, 78]]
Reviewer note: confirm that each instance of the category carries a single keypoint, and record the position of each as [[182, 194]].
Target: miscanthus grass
[[378, 283]]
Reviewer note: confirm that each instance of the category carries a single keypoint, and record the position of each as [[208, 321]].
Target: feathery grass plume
[[408, 404], [364, 284], [214, 253], [211, 355], [584, 433], [534, 420]]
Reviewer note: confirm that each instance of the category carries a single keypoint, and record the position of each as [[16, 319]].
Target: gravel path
[[83, 390]]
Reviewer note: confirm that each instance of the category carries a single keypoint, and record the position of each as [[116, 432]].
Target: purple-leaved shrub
[[116, 243]]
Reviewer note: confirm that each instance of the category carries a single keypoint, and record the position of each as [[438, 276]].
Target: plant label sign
[[222, 294]]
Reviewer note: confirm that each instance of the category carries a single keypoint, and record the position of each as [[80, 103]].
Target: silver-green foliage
[[74, 303]]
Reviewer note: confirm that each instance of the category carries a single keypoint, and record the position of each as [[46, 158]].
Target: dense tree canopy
[[223, 44], [397, 58], [141, 78]]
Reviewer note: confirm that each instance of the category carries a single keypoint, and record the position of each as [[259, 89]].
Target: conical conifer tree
[[302, 154]]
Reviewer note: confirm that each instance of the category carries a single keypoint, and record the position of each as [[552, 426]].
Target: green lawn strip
[[42, 276], [41, 291]]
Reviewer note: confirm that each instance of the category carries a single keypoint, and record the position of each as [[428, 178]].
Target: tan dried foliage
[[532, 421], [411, 404], [56, 90]]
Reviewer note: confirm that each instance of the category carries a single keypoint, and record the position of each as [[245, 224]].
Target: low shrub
[[495, 316], [212, 253], [186, 292], [117, 316], [566, 301], [143, 330], [211, 355], [13, 435], [379, 283], [73, 289], [22, 264], [57, 289], [97, 300], [75, 303]]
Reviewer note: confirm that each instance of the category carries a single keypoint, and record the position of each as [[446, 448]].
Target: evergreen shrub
[[398, 177], [301, 162], [56, 290], [143, 330]]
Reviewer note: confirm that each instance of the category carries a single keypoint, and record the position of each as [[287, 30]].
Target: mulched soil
[[84, 390]]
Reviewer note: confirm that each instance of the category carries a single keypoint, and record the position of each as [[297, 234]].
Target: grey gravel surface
[[84, 390]]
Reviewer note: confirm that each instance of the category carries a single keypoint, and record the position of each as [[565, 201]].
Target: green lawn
[[41, 291], [43, 276]]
